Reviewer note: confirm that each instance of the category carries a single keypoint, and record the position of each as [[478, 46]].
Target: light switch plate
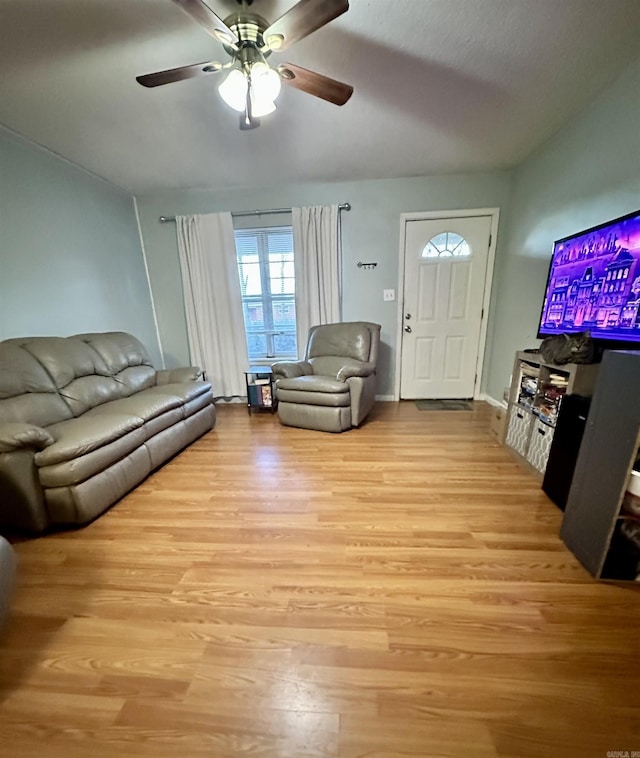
[[388, 294]]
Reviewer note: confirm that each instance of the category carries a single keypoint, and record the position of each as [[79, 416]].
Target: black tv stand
[[596, 515]]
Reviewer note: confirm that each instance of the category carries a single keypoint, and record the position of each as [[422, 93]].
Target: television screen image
[[594, 283]]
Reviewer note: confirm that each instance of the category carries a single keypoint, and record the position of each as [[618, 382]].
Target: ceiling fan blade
[[315, 84], [178, 74], [209, 21], [298, 22]]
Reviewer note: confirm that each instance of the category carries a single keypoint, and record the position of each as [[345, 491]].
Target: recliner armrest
[[16, 436], [357, 368], [289, 370], [183, 374]]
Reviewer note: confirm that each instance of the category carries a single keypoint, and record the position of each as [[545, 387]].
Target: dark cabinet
[[598, 527], [563, 455]]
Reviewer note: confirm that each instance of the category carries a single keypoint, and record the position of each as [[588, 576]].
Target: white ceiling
[[441, 86]]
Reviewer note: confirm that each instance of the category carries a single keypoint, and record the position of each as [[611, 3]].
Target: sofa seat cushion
[[314, 390], [185, 391], [313, 383], [146, 405], [79, 469], [160, 423], [80, 436], [329, 399]]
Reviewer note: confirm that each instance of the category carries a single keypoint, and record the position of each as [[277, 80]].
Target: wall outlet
[[388, 294]]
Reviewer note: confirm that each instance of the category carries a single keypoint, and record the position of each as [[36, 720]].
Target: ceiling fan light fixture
[[233, 90], [261, 107], [263, 82]]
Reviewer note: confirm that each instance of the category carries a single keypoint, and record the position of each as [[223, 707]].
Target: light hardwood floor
[[397, 590]]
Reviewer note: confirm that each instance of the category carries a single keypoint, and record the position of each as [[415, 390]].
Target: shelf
[[535, 396], [261, 390]]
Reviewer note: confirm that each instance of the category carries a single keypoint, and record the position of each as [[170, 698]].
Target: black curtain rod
[[341, 207]]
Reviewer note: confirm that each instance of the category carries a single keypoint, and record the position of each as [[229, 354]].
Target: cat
[[569, 348]]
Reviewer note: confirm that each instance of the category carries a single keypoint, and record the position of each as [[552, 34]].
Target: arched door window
[[446, 245]]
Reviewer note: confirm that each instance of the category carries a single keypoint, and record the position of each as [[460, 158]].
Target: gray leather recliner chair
[[334, 387]]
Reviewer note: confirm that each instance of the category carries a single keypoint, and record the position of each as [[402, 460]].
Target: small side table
[[261, 389]]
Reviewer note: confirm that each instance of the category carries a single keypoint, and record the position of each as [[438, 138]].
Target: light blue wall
[[587, 174], [371, 232], [70, 258]]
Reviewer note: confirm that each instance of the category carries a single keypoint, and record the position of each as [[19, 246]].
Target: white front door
[[445, 269]]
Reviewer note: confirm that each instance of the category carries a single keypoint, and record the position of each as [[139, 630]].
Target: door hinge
[[490, 238]]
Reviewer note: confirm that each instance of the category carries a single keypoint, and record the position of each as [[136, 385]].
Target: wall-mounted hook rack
[[360, 264]]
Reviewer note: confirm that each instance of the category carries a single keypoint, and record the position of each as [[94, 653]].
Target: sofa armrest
[[184, 374], [284, 370], [357, 368], [16, 436]]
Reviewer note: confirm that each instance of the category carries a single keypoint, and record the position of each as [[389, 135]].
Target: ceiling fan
[[251, 86]]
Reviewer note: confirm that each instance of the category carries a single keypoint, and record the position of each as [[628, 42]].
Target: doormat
[[443, 405]]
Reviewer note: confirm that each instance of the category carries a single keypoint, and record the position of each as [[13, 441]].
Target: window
[[446, 245], [265, 267]]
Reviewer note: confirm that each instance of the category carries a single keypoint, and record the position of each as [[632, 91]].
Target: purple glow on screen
[[594, 283]]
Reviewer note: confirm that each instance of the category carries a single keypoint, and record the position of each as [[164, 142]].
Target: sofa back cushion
[[78, 372], [44, 380], [125, 359], [348, 339], [27, 391]]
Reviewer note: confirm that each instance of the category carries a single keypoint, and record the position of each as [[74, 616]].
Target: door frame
[[494, 215]]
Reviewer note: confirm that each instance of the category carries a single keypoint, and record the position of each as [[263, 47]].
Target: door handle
[[408, 329]]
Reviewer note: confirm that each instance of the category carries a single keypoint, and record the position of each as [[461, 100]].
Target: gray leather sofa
[[334, 387], [83, 420]]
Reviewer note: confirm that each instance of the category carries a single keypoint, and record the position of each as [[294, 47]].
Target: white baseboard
[[483, 397], [491, 400]]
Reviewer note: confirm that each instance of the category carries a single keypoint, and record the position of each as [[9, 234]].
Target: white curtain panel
[[213, 300], [318, 268]]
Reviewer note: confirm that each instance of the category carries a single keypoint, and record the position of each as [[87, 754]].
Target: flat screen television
[[594, 284]]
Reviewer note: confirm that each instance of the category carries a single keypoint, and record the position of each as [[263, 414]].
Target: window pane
[[285, 344], [281, 274], [283, 286], [257, 345], [249, 272], [246, 244], [281, 265], [284, 314], [446, 245], [253, 315], [281, 242]]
